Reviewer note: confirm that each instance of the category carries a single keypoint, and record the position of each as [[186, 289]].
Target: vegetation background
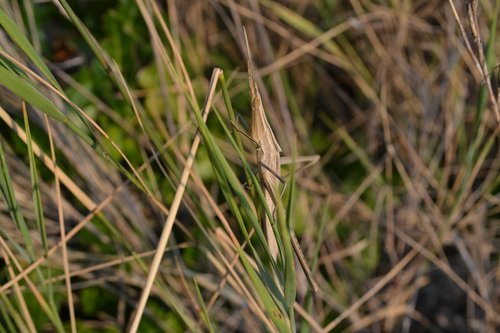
[[399, 220]]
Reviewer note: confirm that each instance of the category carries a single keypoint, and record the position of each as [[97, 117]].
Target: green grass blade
[[178, 306], [13, 314], [490, 58], [26, 91], [275, 312], [18, 37], [5, 320], [285, 228], [5, 316], [35, 185], [29, 93], [204, 312], [10, 199]]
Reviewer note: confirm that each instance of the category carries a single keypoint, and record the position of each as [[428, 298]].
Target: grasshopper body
[[268, 153], [268, 158]]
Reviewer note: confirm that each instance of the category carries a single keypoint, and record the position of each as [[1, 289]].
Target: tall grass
[[113, 219]]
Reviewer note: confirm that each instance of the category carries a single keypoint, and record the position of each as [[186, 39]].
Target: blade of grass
[[37, 198], [51, 313], [204, 312], [285, 228], [230, 111], [22, 88], [19, 296], [16, 318], [490, 58], [272, 308], [62, 231], [18, 37], [9, 197], [4, 315]]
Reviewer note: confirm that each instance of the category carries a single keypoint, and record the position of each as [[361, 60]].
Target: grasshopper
[[268, 158]]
